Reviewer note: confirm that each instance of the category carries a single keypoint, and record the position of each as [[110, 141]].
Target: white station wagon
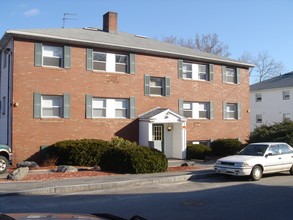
[[257, 159]]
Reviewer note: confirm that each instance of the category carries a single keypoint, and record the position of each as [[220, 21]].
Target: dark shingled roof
[[282, 81], [94, 37]]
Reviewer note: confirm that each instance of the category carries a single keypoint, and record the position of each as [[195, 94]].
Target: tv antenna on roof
[[66, 16]]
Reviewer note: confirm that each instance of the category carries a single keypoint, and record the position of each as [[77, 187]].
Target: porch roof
[[162, 115]]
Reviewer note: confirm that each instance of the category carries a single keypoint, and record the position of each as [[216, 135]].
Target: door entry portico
[[164, 130]]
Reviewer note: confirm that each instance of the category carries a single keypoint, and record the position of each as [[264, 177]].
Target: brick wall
[[30, 133]]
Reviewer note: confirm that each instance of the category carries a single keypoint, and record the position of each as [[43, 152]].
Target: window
[[196, 71], [110, 108], [121, 108], [286, 95], [286, 117], [187, 71], [187, 109], [99, 61], [121, 63], [258, 97], [51, 106], [110, 62], [231, 75], [157, 85], [53, 56], [99, 108], [197, 110], [258, 118], [231, 111]]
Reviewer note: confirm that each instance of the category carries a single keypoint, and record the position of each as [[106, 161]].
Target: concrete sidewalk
[[204, 170]]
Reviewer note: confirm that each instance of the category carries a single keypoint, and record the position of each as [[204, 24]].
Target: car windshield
[[254, 150]]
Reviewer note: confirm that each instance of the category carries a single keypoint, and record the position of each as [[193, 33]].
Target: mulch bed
[[38, 175]]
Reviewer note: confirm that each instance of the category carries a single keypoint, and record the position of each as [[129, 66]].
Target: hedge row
[[117, 155], [220, 147]]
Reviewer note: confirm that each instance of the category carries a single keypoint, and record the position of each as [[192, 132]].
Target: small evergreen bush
[[224, 147], [133, 159], [197, 151]]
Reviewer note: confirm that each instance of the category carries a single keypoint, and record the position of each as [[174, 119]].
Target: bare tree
[[209, 43], [266, 67]]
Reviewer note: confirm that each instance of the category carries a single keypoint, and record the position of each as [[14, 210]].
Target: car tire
[[256, 173], [3, 164], [291, 170]]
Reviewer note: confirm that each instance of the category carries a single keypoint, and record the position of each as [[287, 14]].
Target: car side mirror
[[269, 154]]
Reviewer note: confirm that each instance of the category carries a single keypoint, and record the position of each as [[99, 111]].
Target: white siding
[[272, 107]]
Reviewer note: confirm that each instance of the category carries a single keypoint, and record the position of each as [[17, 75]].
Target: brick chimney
[[110, 22]]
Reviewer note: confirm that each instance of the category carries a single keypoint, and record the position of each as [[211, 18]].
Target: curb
[[110, 185]]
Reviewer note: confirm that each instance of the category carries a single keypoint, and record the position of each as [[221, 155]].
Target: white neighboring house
[[271, 101]]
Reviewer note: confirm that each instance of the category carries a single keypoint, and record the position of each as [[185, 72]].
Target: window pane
[[120, 113], [99, 113], [121, 59], [203, 114], [187, 114], [121, 68], [99, 57], [186, 105], [51, 112]]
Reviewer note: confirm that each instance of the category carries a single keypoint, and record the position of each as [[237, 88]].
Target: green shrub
[[133, 159], [85, 152], [278, 132], [197, 151], [224, 147]]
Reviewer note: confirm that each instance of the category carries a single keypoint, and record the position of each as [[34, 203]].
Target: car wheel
[[291, 170], [3, 164], [256, 173]]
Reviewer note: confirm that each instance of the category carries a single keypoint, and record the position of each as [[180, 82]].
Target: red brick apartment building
[[60, 84]]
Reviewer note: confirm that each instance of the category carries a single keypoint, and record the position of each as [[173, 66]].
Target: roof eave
[[34, 36]]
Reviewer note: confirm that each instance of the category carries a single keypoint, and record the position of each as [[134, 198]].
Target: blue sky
[[245, 25]]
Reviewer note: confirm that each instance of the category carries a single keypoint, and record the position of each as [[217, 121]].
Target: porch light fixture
[[169, 128]]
